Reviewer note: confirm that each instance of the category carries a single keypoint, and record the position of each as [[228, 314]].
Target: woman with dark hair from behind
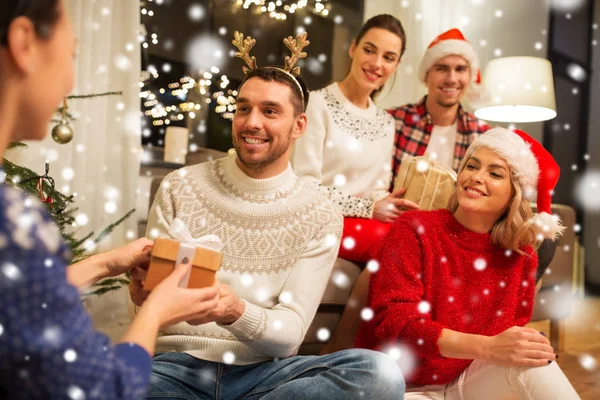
[[48, 347]]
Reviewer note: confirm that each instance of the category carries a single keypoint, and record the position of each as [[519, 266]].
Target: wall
[[592, 220]]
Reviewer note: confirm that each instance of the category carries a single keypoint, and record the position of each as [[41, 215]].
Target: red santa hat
[[449, 43], [534, 168]]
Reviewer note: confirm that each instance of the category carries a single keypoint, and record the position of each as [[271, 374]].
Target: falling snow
[[587, 362], [424, 307], [480, 264], [373, 266], [349, 243], [323, 334], [366, 314], [228, 357], [75, 393], [206, 51], [587, 190]]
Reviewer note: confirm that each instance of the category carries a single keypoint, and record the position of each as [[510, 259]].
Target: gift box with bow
[[427, 182], [204, 253]]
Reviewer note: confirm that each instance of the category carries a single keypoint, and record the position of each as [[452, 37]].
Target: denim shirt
[[48, 346]]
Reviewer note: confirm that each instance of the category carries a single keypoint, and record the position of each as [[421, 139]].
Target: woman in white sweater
[[348, 142]]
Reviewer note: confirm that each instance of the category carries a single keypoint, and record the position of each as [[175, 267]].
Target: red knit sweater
[[435, 274]]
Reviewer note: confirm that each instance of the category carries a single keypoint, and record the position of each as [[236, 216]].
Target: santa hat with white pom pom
[[533, 167], [453, 42]]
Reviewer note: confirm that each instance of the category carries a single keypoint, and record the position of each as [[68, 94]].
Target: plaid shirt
[[413, 131]]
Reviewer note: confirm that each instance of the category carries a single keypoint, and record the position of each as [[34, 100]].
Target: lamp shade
[[521, 89]]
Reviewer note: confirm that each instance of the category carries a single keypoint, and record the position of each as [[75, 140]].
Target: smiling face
[[264, 127], [484, 185], [447, 80], [375, 58]]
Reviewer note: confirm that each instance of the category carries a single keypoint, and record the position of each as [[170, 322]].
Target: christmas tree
[[61, 207]]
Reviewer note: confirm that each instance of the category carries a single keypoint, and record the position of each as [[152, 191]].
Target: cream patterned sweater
[[347, 149], [281, 236]]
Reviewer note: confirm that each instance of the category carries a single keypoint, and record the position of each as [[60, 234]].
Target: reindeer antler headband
[[295, 45]]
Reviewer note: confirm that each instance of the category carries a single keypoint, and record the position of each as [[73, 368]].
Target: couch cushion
[[341, 281], [338, 290], [560, 269]]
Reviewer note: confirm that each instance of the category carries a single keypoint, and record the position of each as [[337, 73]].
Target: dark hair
[[276, 74], [389, 23], [43, 13]]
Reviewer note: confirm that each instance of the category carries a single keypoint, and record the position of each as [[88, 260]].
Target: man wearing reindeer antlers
[[281, 237]]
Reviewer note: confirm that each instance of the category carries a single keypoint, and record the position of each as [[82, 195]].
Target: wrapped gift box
[[167, 255], [427, 182]]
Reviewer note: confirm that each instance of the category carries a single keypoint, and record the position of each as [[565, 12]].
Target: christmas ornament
[[63, 133], [43, 181], [44, 197]]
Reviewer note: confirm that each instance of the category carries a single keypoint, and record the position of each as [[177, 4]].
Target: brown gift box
[[427, 182], [165, 252]]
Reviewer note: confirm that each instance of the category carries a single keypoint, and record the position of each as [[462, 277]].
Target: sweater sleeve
[[396, 295], [279, 331], [527, 291], [307, 159], [384, 182], [48, 346], [162, 212]]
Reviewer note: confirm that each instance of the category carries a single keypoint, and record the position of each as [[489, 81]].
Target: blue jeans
[[347, 374]]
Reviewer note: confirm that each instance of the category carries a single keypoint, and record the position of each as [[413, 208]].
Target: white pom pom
[[547, 226]]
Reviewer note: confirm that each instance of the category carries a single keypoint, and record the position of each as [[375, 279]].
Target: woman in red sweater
[[455, 287]]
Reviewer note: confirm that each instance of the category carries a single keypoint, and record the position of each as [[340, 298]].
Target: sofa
[[553, 300]]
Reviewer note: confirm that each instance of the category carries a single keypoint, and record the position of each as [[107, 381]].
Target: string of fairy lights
[[224, 97], [280, 9]]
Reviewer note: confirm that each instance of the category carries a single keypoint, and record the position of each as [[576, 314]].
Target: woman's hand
[[109, 264], [392, 206], [136, 286], [124, 258], [518, 347], [171, 304]]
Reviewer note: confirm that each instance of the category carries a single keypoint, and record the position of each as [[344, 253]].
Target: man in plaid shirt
[[438, 125]]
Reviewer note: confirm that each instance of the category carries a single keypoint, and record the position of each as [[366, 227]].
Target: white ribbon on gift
[[179, 231]]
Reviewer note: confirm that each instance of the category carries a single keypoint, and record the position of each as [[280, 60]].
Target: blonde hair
[[515, 228]]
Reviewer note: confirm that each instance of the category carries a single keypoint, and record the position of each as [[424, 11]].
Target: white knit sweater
[[281, 237], [347, 149]]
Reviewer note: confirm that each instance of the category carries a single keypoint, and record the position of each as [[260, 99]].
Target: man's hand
[[392, 206], [228, 310]]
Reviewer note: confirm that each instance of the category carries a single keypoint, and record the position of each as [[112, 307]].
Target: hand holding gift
[[392, 206], [229, 308], [427, 182], [204, 253], [170, 303], [125, 258]]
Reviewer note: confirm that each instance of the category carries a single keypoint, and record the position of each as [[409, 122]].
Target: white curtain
[[496, 28], [104, 154]]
